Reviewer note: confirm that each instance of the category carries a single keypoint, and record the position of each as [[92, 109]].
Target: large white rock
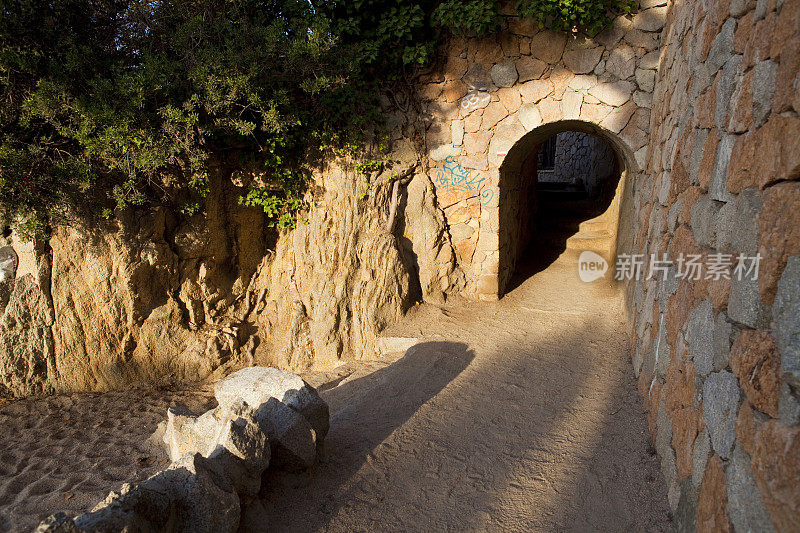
[[240, 449]]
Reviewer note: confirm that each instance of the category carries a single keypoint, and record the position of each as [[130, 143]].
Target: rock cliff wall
[[151, 297]]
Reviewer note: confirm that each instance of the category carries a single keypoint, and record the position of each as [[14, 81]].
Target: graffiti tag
[[474, 99], [452, 176]]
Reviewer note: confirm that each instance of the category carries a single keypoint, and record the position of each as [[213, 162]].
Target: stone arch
[[513, 194]]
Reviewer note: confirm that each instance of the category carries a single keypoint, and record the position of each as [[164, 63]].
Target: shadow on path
[[511, 436]]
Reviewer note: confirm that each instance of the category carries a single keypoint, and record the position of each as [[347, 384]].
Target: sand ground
[[517, 415]]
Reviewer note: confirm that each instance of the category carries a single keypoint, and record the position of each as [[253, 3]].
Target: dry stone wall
[[491, 99], [582, 159], [718, 357]]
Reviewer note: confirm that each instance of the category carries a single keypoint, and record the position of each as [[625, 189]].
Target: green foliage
[[477, 17], [369, 166], [280, 209], [128, 103], [590, 16]]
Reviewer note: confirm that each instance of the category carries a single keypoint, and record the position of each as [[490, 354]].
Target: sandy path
[[66, 452], [520, 415]]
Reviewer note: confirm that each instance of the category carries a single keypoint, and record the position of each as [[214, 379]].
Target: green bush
[[477, 17], [589, 16], [129, 103]]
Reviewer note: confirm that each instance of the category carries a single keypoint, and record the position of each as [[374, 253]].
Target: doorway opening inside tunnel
[[560, 189]]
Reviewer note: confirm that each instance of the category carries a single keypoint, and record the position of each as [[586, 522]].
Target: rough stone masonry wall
[[718, 361], [583, 158], [495, 95]]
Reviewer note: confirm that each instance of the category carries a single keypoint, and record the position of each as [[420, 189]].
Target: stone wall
[[718, 357], [582, 159], [491, 103]]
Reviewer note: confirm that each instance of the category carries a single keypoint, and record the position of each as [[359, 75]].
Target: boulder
[[185, 432], [256, 385], [190, 495], [263, 414], [240, 449]]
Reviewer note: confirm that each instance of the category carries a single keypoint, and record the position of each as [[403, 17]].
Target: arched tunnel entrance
[[561, 187]]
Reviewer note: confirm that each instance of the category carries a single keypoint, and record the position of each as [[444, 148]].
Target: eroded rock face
[[150, 296]]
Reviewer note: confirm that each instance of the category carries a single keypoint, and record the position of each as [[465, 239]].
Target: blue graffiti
[[452, 176]]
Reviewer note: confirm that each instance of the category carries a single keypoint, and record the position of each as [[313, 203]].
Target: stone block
[[788, 406], [718, 189], [477, 143], [487, 285], [530, 68], [494, 113], [744, 303], [704, 217], [646, 79], [724, 222], [727, 82], [460, 232], [614, 94], [621, 63], [643, 99], [504, 74], [533, 91], [713, 499], [786, 313], [642, 39], [700, 337], [686, 513], [701, 450], [548, 46], [745, 507], [722, 338], [754, 359], [583, 61], [779, 234], [764, 74], [744, 227], [571, 105], [652, 19], [457, 132], [740, 7], [722, 47], [510, 98], [442, 152], [776, 467], [583, 82], [721, 395]]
